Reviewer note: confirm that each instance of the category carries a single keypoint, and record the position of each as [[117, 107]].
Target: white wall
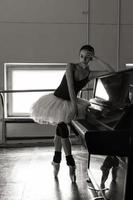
[[103, 29], [126, 30], [111, 30], [41, 31]]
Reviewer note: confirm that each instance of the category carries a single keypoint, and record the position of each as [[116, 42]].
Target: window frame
[[8, 69]]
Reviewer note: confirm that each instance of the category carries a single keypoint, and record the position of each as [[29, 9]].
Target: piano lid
[[113, 89]]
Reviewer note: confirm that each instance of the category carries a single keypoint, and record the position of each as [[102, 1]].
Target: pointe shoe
[[72, 173], [56, 168]]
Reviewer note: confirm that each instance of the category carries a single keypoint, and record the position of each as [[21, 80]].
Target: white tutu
[[50, 109]]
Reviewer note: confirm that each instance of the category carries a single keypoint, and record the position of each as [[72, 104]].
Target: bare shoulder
[[71, 66]]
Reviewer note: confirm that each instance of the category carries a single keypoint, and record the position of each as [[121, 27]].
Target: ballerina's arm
[[96, 73], [70, 82], [99, 60]]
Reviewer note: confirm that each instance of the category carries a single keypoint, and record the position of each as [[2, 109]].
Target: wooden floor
[[27, 174]]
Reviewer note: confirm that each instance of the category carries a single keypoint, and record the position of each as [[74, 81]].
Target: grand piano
[[107, 131]]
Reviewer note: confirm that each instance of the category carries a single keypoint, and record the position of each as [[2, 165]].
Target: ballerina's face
[[85, 57]]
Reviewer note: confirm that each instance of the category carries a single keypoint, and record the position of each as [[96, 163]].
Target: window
[[31, 76]]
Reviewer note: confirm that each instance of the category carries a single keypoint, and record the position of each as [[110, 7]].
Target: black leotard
[[63, 92]]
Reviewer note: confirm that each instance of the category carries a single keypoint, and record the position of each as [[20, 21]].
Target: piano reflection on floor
[[106, 133]]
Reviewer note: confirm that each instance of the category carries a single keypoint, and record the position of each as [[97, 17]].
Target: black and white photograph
[[66, 99]]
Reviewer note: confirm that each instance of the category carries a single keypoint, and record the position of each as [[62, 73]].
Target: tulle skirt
[[50, 109]]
